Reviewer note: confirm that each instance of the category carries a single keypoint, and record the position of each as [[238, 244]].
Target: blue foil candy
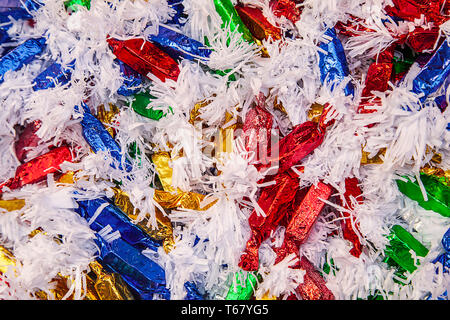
[[141, 274], [192, 292], [16, 9], [99, 138], [333, 65], [118, 221], [178, 45], [132, 80], [179, 18], [434, 73], [55, 73], [20, 56], [4, 37]]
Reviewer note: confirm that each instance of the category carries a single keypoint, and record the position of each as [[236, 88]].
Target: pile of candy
[[224, 149]]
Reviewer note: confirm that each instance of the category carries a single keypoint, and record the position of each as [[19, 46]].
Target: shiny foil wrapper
[[107, 117], [27, 140], [163, 233], [161, 161], [6, 259], [145, 58], [72, 4], [143, 276], [53, 75], [303, 218], [117, 221], [274, 201], [108, 286], [99, 139], [12, 204], [177, 45], [444, 258], [230, 17], [140, 106], [411, 10], [397, 252], [378, 77], [352, 190], [258, 25], [182, 199], [21, 55], [38, 168], [243, 287], [17, 9], [314, 112], [441, 175], [423, 40], [367, 159], [131, 80], [434, 73], [286, 8], [179, 17], [438, 193], [192, 292], [333, 65]]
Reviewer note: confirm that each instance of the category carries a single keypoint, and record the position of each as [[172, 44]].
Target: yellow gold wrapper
[[107, 117], [279, 105], [263, 49], [268, 296], [68, 177], [374, 160], [315, 112], [437, 172], [6, 259], [13, 204], [184, 200], [109, 286], [194, 115], [226, 135], [161, 162]]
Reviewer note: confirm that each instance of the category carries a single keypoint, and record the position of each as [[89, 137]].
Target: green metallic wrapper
[[140, 103], [240, 290], [230, 16], [72, 4]]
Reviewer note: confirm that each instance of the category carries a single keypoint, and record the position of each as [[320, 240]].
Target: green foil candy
[[239, 291], [398, 254], [229, 15], [438, 193], [72, 4], [140, 103]]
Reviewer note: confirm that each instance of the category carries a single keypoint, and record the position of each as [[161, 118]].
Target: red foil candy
[[413, 9], [144, 57], [303, 219], [27, 140], [421, 39], [38, 168], [286, 8], [351, 190], [257, 23], [272, 198]]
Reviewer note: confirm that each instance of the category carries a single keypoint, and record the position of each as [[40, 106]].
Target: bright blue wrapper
[[333, 65], [20, 56], [118, 220], [179, 18], [142, 275], [444, 258], [434, 73], [15, 9], [4, 37], [132, 80], [192, 292], [100, 139], [55, 73], [178, 45]]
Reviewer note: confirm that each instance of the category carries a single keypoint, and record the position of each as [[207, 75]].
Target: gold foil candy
[[107, 116], [374, 160], [67, 177], [314, 112], [161, 162], [6, 259], [268, 296], [107, 286], [183, 200], [195, 113], [13, 204], [226, 135], [443, 176]]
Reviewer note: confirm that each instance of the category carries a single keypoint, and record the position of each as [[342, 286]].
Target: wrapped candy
[[257, 23], [131, 80], [17, 9], [230, 17], [242, 287], [27, 140], [53, 75], [72, 4], [140, 106], [13, 204]]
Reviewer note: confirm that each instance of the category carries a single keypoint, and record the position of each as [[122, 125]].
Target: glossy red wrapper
[[421, 39], [313, 286], [286, 8], [38, 168], [351, 190], [144, 57], [27, 139], [352, 28], [258, 25], [413, 9], [304, 217], [271, 201]]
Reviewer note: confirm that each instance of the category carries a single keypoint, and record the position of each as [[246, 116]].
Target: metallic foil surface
[[231, 18], [397, 252], [145, 58], [6, 259], [313, 286], [54, 75], [256, 133], [163, 233], [373, 160], [179, 17], [444, 258], [144, 277], [17, 9], [140, 106], [110, 215], [273, 201], [177, 45], [411, 10], [287, 8], [131, 80], [303, 218], [21, 55], [161, 161], [244, 286], [314, 112], [27, 140], [12, 204], [38, 168], [352, 190], [438, 193], [107, 117], [258, 25], [99, 139], [434, 73], [441, 175], [182, 199], [72, 4], [333, 65], [109, 286], [192, 292]]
